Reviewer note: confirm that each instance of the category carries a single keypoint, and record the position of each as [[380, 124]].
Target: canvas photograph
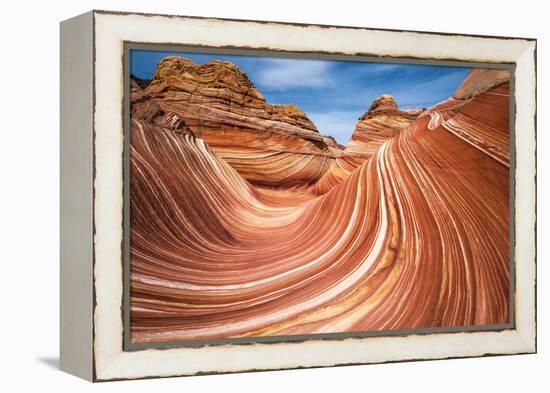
[[279, 197]]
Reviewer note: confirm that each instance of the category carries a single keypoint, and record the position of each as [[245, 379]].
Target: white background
[[29, 204]]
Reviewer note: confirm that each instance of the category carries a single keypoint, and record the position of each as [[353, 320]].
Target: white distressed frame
[[111, 30]]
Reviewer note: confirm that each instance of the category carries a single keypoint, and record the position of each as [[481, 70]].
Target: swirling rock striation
[[479, 80], [381, 122], [269, 145], [400, 242]]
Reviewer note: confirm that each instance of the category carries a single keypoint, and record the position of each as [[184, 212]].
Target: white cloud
[[338, 124], [283, 74]]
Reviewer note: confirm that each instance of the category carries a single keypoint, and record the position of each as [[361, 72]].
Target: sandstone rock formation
[[479, 80], [400, 241], [137, 82], [270, 145], [382, 121], [469, 113]]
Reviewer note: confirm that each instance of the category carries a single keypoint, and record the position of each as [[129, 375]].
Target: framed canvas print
[[246, 195]]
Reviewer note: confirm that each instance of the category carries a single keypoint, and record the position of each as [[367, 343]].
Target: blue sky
[[334, 94]]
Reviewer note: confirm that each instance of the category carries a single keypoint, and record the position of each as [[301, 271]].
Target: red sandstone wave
[[414, 236]]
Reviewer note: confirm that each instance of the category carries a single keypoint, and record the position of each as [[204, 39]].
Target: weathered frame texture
[[94, 349]]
